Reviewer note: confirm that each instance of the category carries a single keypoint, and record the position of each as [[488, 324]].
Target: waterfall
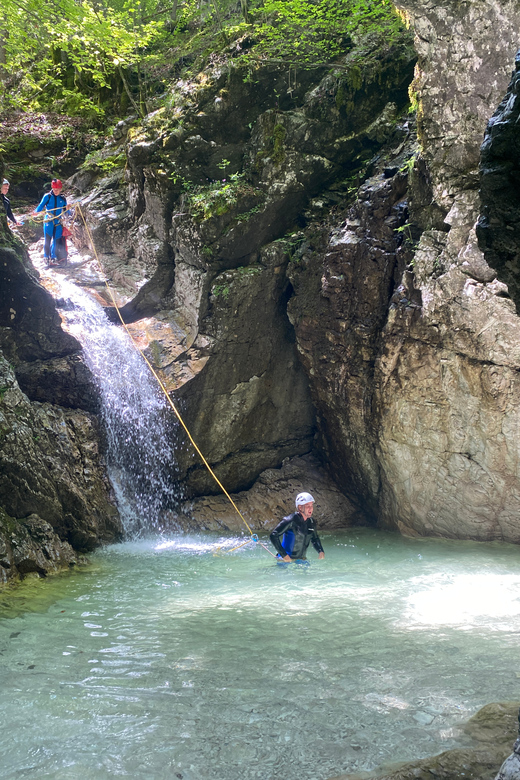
[[136, 416]]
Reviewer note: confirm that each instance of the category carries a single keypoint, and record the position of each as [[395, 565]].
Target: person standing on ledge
[[55, 205], [292, 535], [5, 200]]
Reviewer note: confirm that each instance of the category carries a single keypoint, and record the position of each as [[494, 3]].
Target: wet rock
[[271, 498], [65, 381], [47, 360], [31, 546], [30, 326], [50, 466], [35, 547]]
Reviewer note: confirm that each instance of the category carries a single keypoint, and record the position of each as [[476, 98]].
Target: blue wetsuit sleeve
[[277, 533], [42, 203]]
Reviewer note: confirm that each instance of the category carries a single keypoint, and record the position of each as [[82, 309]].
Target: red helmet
[[56, 184]]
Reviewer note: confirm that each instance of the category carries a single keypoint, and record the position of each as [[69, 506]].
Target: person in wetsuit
[[5, 200], [55, 205], [294, 533]]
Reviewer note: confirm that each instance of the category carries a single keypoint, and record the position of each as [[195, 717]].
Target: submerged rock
[[489, 734]]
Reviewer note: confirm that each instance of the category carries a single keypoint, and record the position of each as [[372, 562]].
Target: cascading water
[[140, 456]]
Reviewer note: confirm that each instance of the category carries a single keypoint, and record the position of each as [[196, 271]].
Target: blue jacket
[[56, 206]]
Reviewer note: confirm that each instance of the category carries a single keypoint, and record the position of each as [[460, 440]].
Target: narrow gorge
[[320, 262]]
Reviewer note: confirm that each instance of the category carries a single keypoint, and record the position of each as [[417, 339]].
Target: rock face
[[50, 467], [461, 76], [249, 407], [415, 384], [343, 281], [48, 362], [209, 185], [272, 497], [31, 546], [447, 378], [510, 769]]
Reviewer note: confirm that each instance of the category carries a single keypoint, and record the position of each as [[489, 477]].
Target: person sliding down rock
[[292, 535], [5, 200], [55, 206]]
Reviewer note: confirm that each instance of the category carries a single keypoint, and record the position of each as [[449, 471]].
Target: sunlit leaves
[[53, 47], [89, 39]]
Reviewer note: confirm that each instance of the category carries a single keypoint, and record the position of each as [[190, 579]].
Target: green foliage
[[219, 197], [103, 162], [220, 289], [87, 58], [75, 50], [228, 278], [409, 164], [318, 31]]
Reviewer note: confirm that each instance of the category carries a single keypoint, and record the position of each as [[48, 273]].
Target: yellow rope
[[46, 216], [163, 388], [237, 547]]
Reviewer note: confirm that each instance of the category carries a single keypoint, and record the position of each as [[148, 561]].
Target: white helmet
[[303, 498]]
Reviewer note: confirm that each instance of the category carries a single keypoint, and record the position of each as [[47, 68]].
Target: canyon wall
[[416, 387], [400, 368], [203, 221]]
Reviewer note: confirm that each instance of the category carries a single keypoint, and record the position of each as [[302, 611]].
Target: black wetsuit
[[293, 535], [7, 207]]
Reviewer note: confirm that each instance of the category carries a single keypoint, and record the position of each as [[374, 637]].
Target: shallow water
[[163, 660]]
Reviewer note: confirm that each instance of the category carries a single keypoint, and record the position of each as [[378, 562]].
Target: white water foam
[[137, 419]]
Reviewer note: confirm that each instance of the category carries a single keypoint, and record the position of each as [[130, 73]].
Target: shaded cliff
[[498, 228], [414, 376]]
